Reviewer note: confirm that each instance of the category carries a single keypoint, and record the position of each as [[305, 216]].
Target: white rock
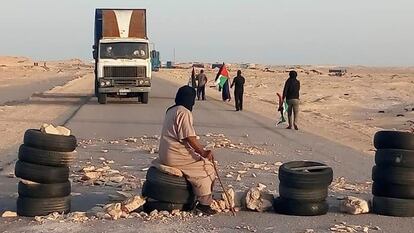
[[91, 175], [49, 129], [9, 214], [229, 202], [63, 130], [354, 205], [117, 179], [114, 210], [133, 203]]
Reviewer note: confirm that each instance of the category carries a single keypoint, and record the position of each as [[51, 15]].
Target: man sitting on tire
[[179, 148]]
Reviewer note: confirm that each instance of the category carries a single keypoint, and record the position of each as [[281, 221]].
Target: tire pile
[[303, 191], [43, 167], [166, 192], [393, 175]]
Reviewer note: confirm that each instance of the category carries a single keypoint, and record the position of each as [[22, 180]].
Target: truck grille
[[121, 82], [125, 71]]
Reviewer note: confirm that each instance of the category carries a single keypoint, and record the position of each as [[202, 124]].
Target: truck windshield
[[124, 50]]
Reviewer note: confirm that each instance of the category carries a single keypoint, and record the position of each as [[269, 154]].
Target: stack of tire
[[167, 192], [303, 188], [393, 175], [43, 166]]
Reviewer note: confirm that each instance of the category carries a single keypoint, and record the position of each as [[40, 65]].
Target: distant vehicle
[[337, 72], [217, 65], [121, 53], [155, 60], [198, 65]]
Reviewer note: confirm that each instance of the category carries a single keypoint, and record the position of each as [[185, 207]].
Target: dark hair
[[239, 72], [185, 97], [293, 74]]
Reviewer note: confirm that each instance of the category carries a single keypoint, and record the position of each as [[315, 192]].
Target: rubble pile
[[353, 205], [221, 141], [340, 184], [106, 176], [344, 227]]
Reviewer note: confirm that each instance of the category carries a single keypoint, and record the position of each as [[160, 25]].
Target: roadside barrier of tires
[[303, 188], [393, 174], [166, 192], [43, 166]]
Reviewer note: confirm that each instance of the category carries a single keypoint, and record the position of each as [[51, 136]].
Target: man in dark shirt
[[238, 82], [291, 93], [201, 88]]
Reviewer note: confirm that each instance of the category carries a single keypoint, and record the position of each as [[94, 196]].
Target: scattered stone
[[49, 129], [63, 131], [258, 201], [91, 175], [117, 179], [9, 214], [230, 203], [229, 176], [94, 211], [114, 210], [11, 175], [354, 205], [131, 140], [133, 203], [242, 172], [238, 178], [104, 151], [254, 175]]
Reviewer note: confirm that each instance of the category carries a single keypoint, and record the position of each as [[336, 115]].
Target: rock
[[229, 176], [103, 215], [131, 140], [91, 175], [11, 175], [133, 203], [238, 178], [229, 202], [88, 169], [261, 186], [254, 175], [258, 201], [114, 210], [49, 129], [63, 130], [175, 212], [9, 214], [134, 215], [117, 179], [104, 151], [154, 213], [242, 172], [354, 205]]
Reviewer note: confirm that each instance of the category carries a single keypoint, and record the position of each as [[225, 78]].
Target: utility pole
[[174, 55]]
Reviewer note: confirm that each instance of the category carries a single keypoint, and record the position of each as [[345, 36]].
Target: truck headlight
[[141, 82], [108, 83], [102, 84]]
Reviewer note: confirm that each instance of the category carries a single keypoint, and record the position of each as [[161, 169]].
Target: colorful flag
[[222, 76]]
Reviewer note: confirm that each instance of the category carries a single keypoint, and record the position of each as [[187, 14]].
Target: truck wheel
[[145, 97], [102, 98], [96, 87], [139, 97]]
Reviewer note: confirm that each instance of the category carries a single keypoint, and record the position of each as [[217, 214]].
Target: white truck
[[121, 53]]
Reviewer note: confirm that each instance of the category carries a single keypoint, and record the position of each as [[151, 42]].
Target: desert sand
[[347, 109]]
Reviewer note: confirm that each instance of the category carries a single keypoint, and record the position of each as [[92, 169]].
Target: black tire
[[156, 176], [36, 139], [102, 98], [40, 173], [393, 190], [31, 207], [303, 195], [45, 157], [167, 193], [395, 158], [394, 140], [321, 178], [139, 97], [145, 97], [298, 208], [393, 175], [44, 190], [393, 206], [150, 206]]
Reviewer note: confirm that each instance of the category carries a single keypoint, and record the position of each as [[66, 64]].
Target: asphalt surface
[[120, 119], [20, 93]]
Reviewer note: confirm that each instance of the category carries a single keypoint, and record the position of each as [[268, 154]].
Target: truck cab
[[122, 56]]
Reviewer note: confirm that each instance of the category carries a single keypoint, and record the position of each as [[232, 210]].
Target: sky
[[337, 32]]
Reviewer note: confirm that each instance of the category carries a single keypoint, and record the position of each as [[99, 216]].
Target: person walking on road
[[238, 83], [180, 148], [201, 88], [291, 94]]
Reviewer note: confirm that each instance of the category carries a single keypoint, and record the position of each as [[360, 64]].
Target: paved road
[[22, 92], [120, 119]]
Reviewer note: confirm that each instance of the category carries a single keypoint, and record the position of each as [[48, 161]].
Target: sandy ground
[[47, 107], [348, 109]]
